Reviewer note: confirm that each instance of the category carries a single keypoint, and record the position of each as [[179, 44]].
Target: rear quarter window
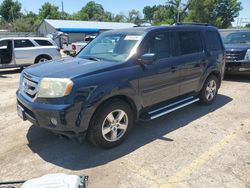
[[213, 41], [44, 42]]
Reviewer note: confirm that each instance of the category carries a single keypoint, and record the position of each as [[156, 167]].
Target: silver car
[[20, 52]]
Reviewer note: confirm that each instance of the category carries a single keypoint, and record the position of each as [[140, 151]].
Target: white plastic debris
[[54, 181]]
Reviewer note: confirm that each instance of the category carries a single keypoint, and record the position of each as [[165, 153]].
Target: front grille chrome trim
[[30, 85]]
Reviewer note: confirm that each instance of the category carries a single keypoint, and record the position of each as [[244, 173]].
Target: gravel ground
[[195, 146]]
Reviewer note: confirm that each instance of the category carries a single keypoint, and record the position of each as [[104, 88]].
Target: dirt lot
[[193, 147]]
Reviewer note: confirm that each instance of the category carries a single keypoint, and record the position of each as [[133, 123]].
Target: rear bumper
[[71, 119], [238, 67]]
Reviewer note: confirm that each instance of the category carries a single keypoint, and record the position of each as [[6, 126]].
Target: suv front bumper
[[238, 67], [67, 119]]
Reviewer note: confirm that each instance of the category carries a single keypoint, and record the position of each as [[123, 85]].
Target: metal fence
[[18, 34]]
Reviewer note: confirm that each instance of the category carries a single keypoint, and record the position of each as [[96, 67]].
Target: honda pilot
[[123, 76]]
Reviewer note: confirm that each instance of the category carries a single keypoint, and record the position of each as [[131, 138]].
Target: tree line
[[220, 13]]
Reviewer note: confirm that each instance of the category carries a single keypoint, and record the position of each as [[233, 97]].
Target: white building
[[77, 30]]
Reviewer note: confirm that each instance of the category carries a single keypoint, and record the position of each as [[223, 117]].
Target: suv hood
[[237, 46], [68, 68]]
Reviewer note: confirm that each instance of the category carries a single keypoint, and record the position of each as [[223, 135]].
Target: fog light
[[53, 121]]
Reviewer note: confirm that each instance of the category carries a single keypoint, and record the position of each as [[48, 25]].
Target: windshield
[[111, 46], [237, 38]]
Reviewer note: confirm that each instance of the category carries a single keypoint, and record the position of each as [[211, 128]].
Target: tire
[[209, 90], [106, 129], [42, 58]]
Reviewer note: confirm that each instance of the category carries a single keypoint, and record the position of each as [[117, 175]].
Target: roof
[[23, 38], [159, 28], [85, 26]]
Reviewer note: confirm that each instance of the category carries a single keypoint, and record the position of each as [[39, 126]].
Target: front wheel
[[209, 90], [111, 124]]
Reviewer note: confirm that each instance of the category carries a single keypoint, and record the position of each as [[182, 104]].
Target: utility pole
[[62, 10]]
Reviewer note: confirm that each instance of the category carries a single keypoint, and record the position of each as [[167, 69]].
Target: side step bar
[[171, 107]]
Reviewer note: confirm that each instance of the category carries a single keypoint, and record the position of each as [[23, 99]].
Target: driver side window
[[159, 44]]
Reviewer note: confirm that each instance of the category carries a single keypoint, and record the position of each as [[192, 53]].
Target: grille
[[235, 55], [30, 87]]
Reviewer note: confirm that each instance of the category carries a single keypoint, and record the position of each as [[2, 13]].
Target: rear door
[[158, 82], [216, 49], [24, 51], [191, 60]]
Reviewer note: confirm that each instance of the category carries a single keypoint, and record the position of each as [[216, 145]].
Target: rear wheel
[[111, 124], [209, 90], [42, 58]]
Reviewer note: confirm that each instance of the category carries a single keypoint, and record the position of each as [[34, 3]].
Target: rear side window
[[159, 44], [23, 43], [44, 42], [213, 41], [190, 42]]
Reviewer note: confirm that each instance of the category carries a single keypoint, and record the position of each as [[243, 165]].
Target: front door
[[159, 81], [6, 52]]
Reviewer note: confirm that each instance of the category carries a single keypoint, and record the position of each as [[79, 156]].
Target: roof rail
[[192, 23]]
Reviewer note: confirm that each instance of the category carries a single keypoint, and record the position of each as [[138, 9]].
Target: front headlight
[[247, 56], [54, 87]]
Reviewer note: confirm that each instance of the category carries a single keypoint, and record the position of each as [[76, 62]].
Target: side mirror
[[148, 59]]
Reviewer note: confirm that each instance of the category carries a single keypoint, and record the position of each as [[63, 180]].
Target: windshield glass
[[111, 46], [237, 38]]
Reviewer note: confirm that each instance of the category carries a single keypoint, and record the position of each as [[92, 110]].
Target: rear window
[[213, 41], [190, 42], [44, 42], [23, 43]]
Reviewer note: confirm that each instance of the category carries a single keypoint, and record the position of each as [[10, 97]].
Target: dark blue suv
[[237, 46], [123, 76]]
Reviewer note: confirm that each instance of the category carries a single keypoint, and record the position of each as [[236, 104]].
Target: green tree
[[248, 25], [148, 12], [134, 16], [27, 23], [49, 11], [120, 18], [91, 11], [162, 16], [220, 13], [178, 9], [10, 10]]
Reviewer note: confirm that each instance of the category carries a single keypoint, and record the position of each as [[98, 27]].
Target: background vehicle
[[75, 47], [238, 52], [123, 76], [19, 52]]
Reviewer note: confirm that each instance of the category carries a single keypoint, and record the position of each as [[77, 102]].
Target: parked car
[[75, 47], [123, 76], [238, 52], [20, 52]]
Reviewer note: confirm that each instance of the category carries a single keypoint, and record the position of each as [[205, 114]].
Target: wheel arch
[[40, 56], [124, 98]]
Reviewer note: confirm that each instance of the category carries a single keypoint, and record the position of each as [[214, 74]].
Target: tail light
[[73, 47]]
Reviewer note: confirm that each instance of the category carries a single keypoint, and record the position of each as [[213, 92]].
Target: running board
[[171, 107]]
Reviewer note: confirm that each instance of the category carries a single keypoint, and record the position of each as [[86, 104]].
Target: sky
[[114, 6]]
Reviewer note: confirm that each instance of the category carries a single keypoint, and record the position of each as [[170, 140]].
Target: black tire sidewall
[[41, 57], [95, 130]]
